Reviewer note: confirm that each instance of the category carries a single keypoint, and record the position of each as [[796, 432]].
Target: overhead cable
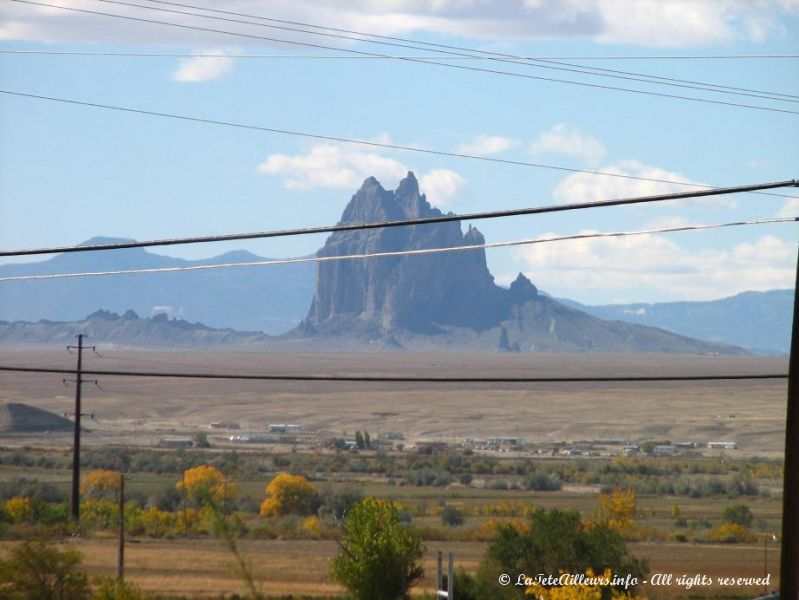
[[384, 145], [372, 255], [403, 223], [396, 378], [349, 57], [453, 66], [447, 50]]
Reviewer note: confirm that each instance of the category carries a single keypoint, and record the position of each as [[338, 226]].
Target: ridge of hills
[[252, 305], [382, 303]]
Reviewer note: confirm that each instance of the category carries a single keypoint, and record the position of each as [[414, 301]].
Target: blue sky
[[68, 173]]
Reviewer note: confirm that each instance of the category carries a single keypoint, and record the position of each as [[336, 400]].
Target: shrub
[[19, 509], [200, 440], [116, 589], [38, 571], [542, 482], [730, 533], [452, 516], [738, 514]]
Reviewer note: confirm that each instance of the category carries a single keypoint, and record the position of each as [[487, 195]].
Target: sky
[[69, 172]]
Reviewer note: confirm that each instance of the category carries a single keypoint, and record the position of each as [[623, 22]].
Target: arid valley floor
[[751, 413]]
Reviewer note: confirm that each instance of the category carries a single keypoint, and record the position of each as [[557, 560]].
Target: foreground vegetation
[[454, 497]]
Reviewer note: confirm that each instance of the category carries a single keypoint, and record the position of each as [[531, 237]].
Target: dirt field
[[202, 569], [137, 410]]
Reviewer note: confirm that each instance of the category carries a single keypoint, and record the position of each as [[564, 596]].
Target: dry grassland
[[137, 410]]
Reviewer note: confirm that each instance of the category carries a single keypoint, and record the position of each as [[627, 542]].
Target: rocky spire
[[412, 292]]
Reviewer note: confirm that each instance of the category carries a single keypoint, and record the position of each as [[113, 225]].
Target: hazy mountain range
[[418, 302], [758, 321], [272, 299]]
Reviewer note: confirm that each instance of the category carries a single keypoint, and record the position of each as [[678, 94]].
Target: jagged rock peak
[[372, 202], [473, 237], [522, 289], [408, 186], [406, 293]]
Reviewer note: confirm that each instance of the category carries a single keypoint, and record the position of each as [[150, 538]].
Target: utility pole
[[121, 537], [789, 560], [74, 506]]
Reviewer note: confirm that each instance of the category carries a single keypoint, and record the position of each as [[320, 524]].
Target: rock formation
[[449, 300]]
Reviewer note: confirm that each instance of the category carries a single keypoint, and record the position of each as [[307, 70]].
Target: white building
[[723, 445]]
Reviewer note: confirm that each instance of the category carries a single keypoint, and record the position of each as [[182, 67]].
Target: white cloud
[[485, 145], [643, 22], [677, 22], [659, 265], [442, 186], [790, 208], [585, 187], [332, 167], [565, 139], [329, 166], [204, 68]]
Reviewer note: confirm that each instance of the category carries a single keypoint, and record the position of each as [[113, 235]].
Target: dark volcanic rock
[[416, 293], [449, 300]]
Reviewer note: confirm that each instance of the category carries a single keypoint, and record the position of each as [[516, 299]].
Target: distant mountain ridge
[[757, 321], [275, 299], [272, 299], [128, 329]]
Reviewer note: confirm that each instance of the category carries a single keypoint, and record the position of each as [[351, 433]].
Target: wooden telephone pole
[[74, 506]]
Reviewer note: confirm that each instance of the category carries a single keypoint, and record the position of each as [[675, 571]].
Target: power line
[[355, 141], [422, 251], [568, 67], [404, 223], [447, 49], [80, 53], [398, 378], [463, 67], [417, 57], [330, 138]]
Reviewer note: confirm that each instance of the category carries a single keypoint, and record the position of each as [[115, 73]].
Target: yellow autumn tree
[[289, 494], [618, 509], [19, 508], [206, 484], [591, 589], [100, 483]]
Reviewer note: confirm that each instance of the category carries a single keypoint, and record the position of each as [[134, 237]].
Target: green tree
[[738, 514], [338, 503], [554, 541], [38, 571], [200, 440], [379, 556], [452, 516], [359, 441], [367, 440]]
